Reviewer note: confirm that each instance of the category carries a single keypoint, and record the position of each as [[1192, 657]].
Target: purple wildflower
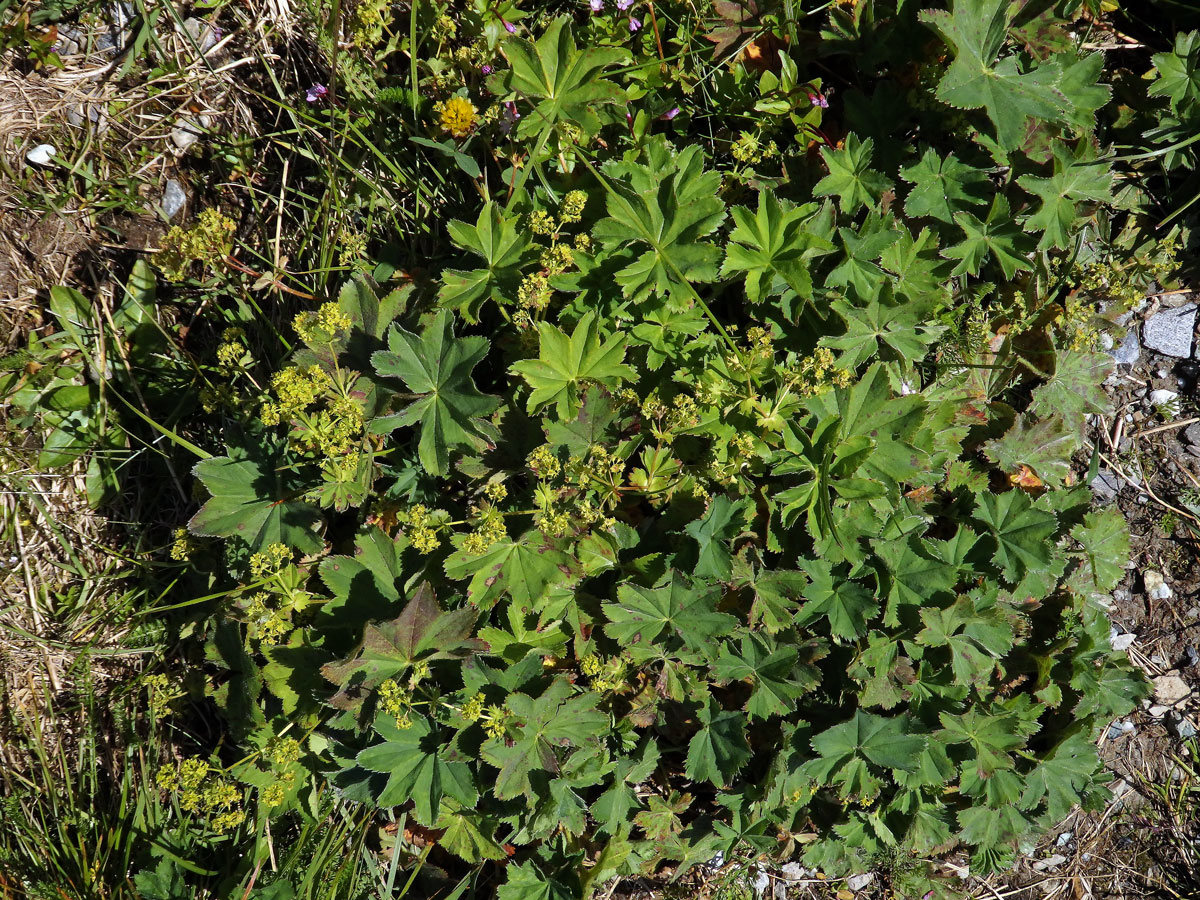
[[634, 24], [486, 69], [596, 5], [509, 26], [817, 99], [670, 113], [316, 92], [510, 110], [623, 5]]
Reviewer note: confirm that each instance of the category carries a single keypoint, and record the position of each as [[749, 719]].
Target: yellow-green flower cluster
[[472, 710], [749, 149], [201, 791], [544, 463], [422, 529], [296, 389], [534, 291], [572, 207], [495, 491], [208, 241], [265, 624], [323, 325], [232, 350], [395, 701], [818, 372], [605, 676], [552, 521], [353, 246], [557, 258], [270, 561], [283, 751], [495, 720], [541, 222], [181, 545], [489, 531]]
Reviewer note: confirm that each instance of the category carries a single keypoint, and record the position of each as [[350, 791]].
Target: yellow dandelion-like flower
[[457, 116]]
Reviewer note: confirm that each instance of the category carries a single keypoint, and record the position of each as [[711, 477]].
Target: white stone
[[1162, 397], [1050, 862], [858, 882], [41, 154], [1123, 641], [1170, 689], [1162, 592], [1152, 578], [1157, 711], [794, 872]]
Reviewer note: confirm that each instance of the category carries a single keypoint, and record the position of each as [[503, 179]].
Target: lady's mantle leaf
[[566, 82], [437, 365], [772, 247], [719, 749], [415, 762], [525, 569], [503, 246], [641, 614], [423, 630], [851, 178], [256, 500], [554, 720], [565, 364], [670, 203]]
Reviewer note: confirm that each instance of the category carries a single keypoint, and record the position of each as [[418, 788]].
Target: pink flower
[[623, 5], [670, 113], [634, 24], [316, 93], [818, 100], [596, 5], [509, 27]]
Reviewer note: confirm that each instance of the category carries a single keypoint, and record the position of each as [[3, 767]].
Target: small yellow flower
[[457, 116]]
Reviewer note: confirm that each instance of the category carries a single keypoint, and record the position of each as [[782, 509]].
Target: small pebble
[[1191, 434], [1105, 485], [1193, 657], [1064, 839], [1169, 689], [1181, 726], [1123, 641], [1162, 397], [174, 198], [1119, 729], [858, 882], [1129, 351], [1051, 862], [1152, 579], [41, 154], [1157, 711], [1162, 373]]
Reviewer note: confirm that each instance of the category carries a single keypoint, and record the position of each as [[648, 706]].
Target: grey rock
[[858, 882], [1064, 839], [174, 198], [1193, 657], [1191, 434], [1162, 373], [793, 872], [1129, 351], [1194, 450], [1157, 711], [1121, 595], [1050, 862], [203, 33], [1169, 331], [1181, 726], [1105, 485], [1170, 689], [1120, 729], [185, 134]]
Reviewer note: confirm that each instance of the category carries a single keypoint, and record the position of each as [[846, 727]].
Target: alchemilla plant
[[719, 492]]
